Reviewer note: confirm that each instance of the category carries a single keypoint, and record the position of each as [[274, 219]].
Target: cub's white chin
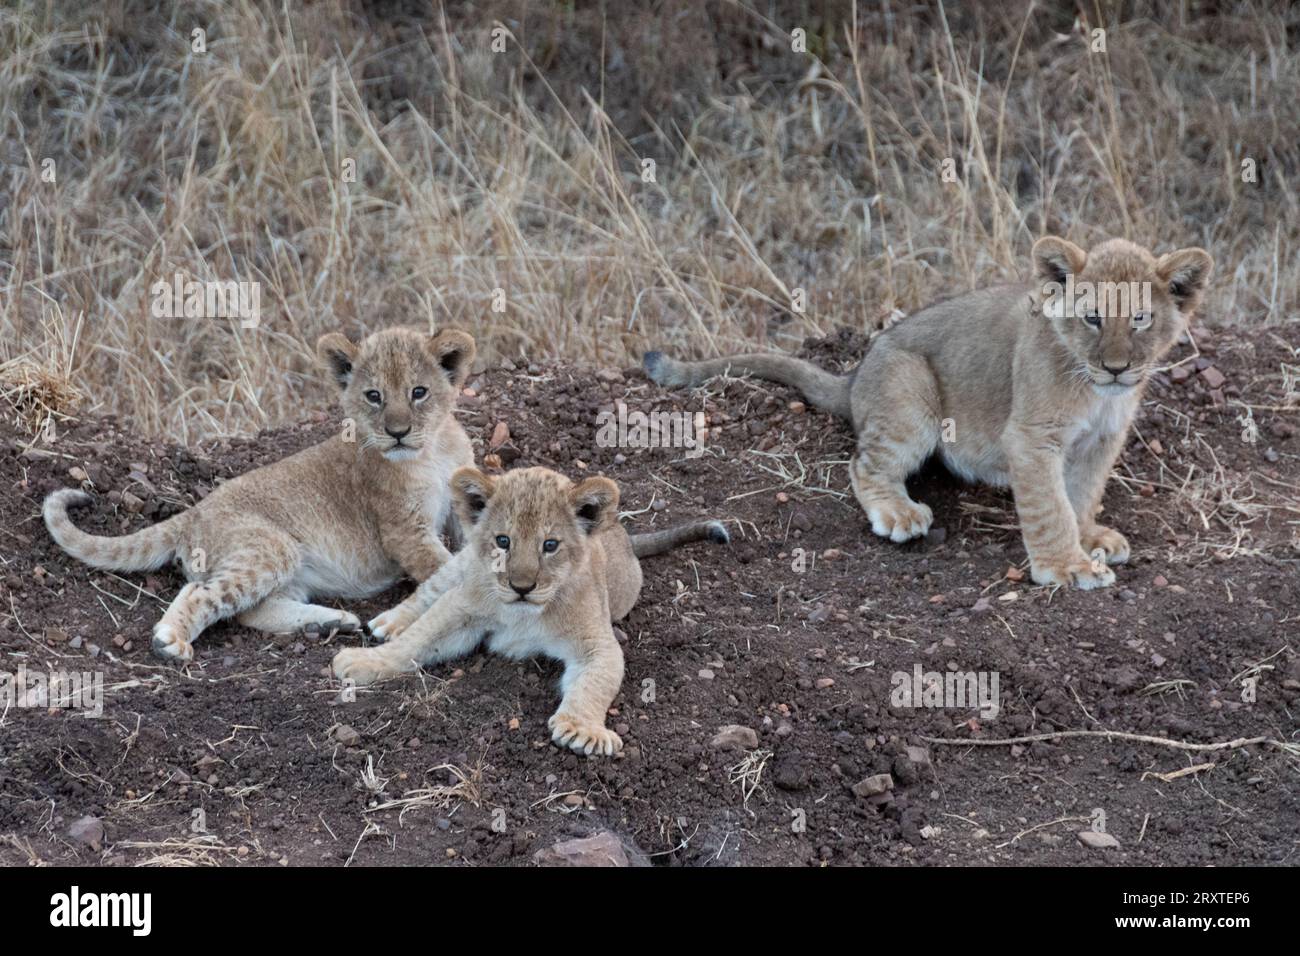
[[404, 453], [1111, 389], [516, 606]]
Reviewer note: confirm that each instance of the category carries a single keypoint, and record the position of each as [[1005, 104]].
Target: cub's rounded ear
[[1055, 258], [1187, 272], [337, 354], [454, 352], [595, 503], [470, 492]]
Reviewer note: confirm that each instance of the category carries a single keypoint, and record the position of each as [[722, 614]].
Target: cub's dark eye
[[1093, 318], [549, 545], [373, 397], [1142, 320], [503, 542], [419, 392]]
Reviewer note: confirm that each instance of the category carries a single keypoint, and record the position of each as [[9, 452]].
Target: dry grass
[[520, 171]]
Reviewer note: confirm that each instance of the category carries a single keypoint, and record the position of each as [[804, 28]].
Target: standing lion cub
[[345, 518], [1018, 386], [546, 567]]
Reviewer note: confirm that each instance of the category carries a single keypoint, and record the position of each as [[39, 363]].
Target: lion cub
[[345, 518], [546, 567], [1018, 386]]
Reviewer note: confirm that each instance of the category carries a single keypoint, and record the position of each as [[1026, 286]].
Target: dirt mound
[[795, 635]]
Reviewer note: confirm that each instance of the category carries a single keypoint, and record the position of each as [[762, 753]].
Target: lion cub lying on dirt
[[345, 518], [1012, 385], [546, 567]]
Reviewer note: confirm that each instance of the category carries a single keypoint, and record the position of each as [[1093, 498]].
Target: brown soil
[[255, 735]]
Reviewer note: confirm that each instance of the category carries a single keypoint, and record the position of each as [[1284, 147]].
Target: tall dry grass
[[521, 171]]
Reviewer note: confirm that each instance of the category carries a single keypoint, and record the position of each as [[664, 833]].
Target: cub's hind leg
[[240, 580], [896, 406], [283, 613]]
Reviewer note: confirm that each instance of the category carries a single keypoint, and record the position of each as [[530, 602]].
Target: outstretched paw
[[584, 736], [362, 666]]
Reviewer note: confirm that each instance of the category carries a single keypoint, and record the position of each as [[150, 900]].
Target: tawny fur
[[525, 600], [1007, 391], [345, 518]]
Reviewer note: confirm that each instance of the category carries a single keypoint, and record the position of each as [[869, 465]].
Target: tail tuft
[[657, 542], [655, 366], [64, 499]]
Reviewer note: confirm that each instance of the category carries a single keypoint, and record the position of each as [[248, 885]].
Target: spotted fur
[[345, 518]]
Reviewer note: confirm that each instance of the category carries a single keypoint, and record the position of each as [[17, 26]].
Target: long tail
[[657, 542], [143, 551], [823, 389]]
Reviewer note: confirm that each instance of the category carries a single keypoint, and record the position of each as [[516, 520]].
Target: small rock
[[1098, 841], [602, 849], [735, 737], [918, 755], [347, 736], [1213, 377], [88, 831], [500, 435], [874, 785]]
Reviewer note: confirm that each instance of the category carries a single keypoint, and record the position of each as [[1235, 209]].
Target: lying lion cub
[[345, 518], [1011, 386], [545, 568]]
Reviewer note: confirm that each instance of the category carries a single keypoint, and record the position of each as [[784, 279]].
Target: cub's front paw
[[1114, 544], [584, 736], [1081, 571], [361, 666], [171, 644], [900, 520], [392, 622]]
